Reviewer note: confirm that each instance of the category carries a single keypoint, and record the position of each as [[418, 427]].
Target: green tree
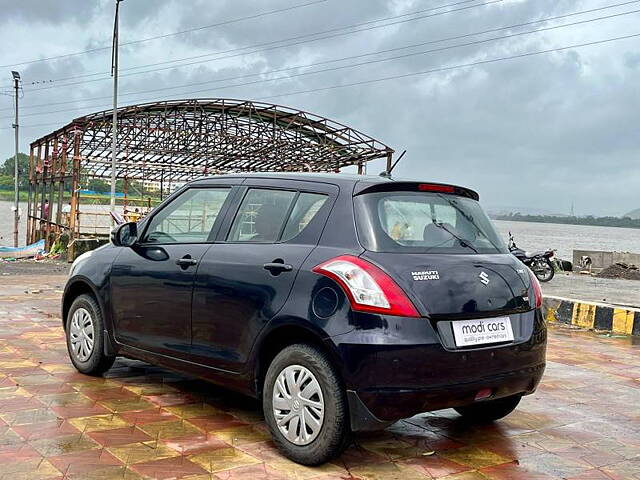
[[7, 169], [97, 185], [587, 220], [6, 182], [103, 185]]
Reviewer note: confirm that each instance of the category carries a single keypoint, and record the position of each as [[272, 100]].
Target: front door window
[[189, 218]]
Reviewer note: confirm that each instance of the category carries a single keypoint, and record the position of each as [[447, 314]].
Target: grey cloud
[[57, 12], [542, 130], [47, 11], [632, 60]]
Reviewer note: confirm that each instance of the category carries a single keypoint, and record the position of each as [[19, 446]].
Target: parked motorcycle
[[539, 262]]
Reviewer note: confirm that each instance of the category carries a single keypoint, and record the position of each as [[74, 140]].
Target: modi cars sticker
[[484, 330]]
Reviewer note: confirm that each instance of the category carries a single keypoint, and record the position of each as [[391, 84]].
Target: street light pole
[[16, 212], [114, 141]]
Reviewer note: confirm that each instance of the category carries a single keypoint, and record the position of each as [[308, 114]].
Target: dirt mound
[[621, 270]]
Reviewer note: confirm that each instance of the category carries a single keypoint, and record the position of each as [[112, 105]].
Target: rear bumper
[[402, 368], [386, 405]]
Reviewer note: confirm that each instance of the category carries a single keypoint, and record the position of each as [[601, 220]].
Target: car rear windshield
[[419, 222]]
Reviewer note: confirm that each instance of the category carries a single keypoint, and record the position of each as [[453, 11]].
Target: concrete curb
[[592, 315]]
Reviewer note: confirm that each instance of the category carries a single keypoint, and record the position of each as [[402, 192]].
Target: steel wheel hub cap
[[81, 334], [298, 405]]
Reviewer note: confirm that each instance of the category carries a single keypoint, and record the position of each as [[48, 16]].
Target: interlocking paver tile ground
[[141, 421]]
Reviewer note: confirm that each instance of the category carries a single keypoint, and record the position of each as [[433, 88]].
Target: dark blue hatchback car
[[344, 303]]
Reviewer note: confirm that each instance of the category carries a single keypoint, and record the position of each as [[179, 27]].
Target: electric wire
[[426, 72], [354, 65], [324, 62], [166, 35], [273, 45], [454, 67]]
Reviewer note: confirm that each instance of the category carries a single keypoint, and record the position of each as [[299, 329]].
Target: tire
[[332, 436], [490, 410], [546, 271], [93, 361]]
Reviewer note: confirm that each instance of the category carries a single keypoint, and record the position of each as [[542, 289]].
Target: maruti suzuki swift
[[343, 303]]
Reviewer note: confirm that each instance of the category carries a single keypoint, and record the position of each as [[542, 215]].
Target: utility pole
[[114, 73], [16, 211]]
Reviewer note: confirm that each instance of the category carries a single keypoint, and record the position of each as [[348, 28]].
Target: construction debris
[[621, 270]]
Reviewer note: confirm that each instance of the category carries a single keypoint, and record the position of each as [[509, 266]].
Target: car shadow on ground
[[429, 442]]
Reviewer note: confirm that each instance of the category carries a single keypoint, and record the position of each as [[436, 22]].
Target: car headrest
[[434, 235], [266, 224]]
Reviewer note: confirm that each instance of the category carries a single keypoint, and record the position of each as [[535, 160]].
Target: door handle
[[277, 267], [186, 262]]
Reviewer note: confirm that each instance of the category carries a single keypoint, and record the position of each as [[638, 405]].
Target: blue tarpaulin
[[22, 252], [93, 192]]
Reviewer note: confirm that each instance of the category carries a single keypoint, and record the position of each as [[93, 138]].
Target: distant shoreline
[[625, 222]]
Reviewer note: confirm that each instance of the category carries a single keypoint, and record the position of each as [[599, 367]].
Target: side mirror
[[125, 235]]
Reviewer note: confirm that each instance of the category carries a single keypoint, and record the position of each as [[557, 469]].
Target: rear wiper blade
[[463, 242], [470, 220]]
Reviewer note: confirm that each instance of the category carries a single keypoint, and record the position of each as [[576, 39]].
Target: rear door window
[[274, 215], [419, 222], [261, 215], [306, 208]]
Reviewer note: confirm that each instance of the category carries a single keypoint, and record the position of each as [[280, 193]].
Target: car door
[[245, 278], [152, 282]]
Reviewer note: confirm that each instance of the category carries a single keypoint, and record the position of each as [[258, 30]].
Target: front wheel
[[305, 405], [85, 337], [489, 410], [543, 269]]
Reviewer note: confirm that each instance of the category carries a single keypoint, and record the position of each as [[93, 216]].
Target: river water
[[566, 238], [6, 224], [98, 223], [530, 236]]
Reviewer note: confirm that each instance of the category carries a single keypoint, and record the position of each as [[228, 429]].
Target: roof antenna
[[387, 173]]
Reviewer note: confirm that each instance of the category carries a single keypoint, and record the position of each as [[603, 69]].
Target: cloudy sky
[[537, 131]]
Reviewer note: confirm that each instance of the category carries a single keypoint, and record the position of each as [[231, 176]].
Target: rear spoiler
[[366, 187]]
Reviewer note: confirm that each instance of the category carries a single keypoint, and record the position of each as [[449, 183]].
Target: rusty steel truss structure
[[172, 142]]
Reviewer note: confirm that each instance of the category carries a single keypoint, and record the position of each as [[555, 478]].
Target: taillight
[[369, 288], [537, 291]]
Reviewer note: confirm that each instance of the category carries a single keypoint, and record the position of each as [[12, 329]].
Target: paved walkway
[[593, 289], [145, 422]]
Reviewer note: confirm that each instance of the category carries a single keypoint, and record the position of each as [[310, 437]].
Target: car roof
[[338, 178], [341, 179]]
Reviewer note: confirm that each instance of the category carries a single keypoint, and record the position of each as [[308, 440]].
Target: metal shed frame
[[180, 140]]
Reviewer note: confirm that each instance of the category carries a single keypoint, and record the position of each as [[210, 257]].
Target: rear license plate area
[[482, 331]]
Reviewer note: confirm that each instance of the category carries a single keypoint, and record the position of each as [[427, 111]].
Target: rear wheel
[[543, 269], [489, 410], [85, 337], [305, 405]]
